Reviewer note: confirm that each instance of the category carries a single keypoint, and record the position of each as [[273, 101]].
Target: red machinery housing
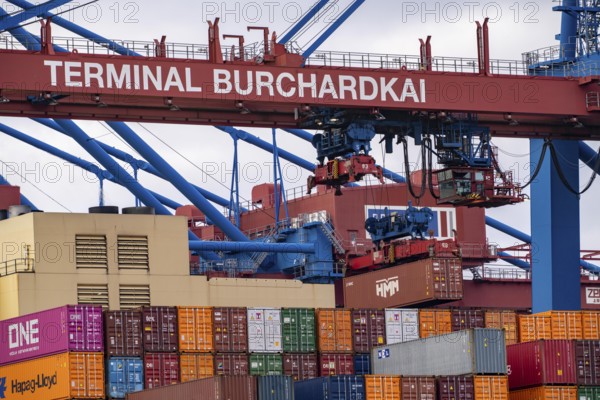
[[338, 172]]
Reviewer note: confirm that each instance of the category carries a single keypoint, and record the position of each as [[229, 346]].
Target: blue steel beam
[[70, 26], [509, 230], [29, 41], [332, 28], [255, 247], [177, 180], [24, 200], [588, 156], [141, 164], [568, 31], [303, 21], [514, 261], [10, 22]]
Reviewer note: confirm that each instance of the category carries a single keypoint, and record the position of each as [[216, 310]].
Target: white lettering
[[136, 76], [53, 70], [280, 89], [173, 79], [97, 74], [409, 91], [363, 80], [70, 74], [118, 80], [347, 84], [312, 85], [264, 79], [327, 87], [188, 82], [423, 91], [249, 86], [148, 77], [23, 334], [388, 88], [387, 287], [222, 77]]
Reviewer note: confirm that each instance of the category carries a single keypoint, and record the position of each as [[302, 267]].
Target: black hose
[[565, 181], [407, 169]]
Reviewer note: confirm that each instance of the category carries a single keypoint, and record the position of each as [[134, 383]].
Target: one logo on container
[[387, 287], [23, 334]]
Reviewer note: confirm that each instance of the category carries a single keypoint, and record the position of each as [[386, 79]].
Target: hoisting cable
[[427, 143], [407, 169], [539, 164], [563, 178]]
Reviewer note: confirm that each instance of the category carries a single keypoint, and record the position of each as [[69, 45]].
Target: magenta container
[[67, 328]]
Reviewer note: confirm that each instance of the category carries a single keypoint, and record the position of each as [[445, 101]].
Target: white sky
[[379, 26]]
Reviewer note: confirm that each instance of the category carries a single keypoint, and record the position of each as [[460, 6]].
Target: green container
[[298, 330], [266, 364], [588, 393]]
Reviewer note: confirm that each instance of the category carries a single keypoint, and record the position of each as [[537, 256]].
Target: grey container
[[471, 351], [275, 388]]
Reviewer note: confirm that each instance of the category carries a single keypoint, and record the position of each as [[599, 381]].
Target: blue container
[[362, 364], [341, 387], [275, 387], [124, 375]]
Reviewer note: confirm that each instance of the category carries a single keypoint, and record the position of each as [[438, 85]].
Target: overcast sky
[[379, 26]]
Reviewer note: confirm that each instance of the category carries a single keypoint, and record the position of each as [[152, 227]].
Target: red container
[[215, 388], [456, 388], [160, 369], [336, 364], [231, 364], [587, 361], [160, 329], [467, 319], [123, 333], [368, 329], [231, 329], [423, 282], [417, 388], [58, 330], [300, 366], [542, 362]]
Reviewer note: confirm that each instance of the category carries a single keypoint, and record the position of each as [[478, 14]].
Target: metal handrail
[[18, 265], [503, 273]]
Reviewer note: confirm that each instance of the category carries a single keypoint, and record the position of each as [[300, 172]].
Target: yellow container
[[491, 387], [591, 325], [195, 329], [506, 320], [545, 393], [334, 330], [565, 324], [534, 327], [434, 322], [196, 366], [382, 387]]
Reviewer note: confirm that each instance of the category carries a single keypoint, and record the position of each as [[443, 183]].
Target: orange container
[[434, 322], [534, 327], [196, 366], [545, 393], [506, 320], [382, 387], [491, 387], [334, 328], [61, 376], [195, 329], [565, 324], [590, 321]]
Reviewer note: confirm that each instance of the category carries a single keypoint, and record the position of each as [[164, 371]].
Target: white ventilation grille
[[133, 296], [132, 252], [93, 294], [91, 251]]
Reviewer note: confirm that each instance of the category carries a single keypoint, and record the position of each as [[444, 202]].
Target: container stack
[[334, 339], [368, 330], [265, 341], [196, 348], [160, 340], [53, 354], [231, 340], [299, 343]]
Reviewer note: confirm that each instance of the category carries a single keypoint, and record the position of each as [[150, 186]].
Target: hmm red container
[[231, 364], [160, 369], [336, 364], [160, 329], [543, 362], [123, 333], [230, 325], [368, 329], [467, 319], [215, 388], [417, 388], [587, 360], [58, 330], [300, 366]]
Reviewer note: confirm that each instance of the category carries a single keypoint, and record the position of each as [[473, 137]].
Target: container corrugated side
[[545, 393], [368, 329], [60, 376], [231, 364], [67, 328], [124, 375], [215, 388], [123, 333], [382, 387], [336, 364], [160, 369], [195, 327], [504, 319], [534, 327], [298, 327], [196, 366], [565, 324], [473, 351], [343, 387], [490, 387], [591, 325], [362, 364], [230, 329], [588, 393], [587, 362], [454, 387], [160, 329], [543, 362], [275, 388], [434, 322], [467, 319], [264, 330], [334, 328], [266, 364], [401, 325], [418, 388], [300, 366]]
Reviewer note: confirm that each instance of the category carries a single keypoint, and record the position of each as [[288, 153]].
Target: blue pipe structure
[[29, 41], [568, 31], [70, 26], [332, 28], [255, 247], [509, 230], [588, 156], [24, 200], [177, 180], [11, 22], [141, 164], [303, 21], [514, 261]]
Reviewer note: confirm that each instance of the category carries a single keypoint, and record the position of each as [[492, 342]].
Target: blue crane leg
[[303, 21], [568, 31], [13, 21]]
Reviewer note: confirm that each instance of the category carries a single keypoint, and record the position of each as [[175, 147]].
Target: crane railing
[[18, 265]]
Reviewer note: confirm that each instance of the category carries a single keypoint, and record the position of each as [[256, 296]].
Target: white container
[[264, 330], [401, 325]]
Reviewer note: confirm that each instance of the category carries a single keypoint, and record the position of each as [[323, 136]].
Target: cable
[[539, 164], [34, 185], [407, 169], [563, 178], [427, 143]]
